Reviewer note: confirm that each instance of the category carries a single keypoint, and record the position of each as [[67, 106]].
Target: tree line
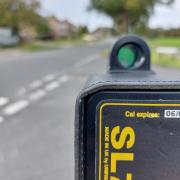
[[17, 13], [128, 15]]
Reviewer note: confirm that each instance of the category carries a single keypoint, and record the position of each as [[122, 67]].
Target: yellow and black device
[[128, 121]]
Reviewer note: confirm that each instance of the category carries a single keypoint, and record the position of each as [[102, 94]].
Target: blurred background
[[48, 48]]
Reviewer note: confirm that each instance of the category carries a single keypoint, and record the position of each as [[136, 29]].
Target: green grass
[[75, 42], [35, 47], [162, 41], [165, 60], [50, 45]]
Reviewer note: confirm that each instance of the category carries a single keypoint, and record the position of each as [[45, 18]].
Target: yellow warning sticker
[[131, 138]]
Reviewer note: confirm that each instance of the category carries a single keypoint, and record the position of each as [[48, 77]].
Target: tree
[[130, 12], [43, 30], [13, 13], [82, 30]]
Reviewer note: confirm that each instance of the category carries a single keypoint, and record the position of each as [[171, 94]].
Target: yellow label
[[121, 138]]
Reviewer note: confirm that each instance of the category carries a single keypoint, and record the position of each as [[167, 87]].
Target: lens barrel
[[130, 53]]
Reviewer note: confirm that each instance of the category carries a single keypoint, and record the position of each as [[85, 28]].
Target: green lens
[[126, 57]]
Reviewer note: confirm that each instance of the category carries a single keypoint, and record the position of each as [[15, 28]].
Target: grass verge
[[165, 42], [35, 47], [50, 45], [165, 60]]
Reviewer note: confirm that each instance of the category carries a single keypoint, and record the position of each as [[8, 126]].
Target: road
[[37, 99], [37, 102]]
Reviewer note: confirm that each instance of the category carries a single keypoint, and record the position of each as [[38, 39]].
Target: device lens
[[126, 57], [130, 56]]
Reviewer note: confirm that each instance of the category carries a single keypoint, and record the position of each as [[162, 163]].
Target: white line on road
[[15, 107], [86, 61], [52, 86], [36, 84], [3, 101], [64, 79], [49, 77], [37, 95]]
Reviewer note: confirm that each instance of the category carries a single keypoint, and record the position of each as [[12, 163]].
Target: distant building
[[101, 32], [7, 38], [27, 32], [54, 25], [61, 29], [67, 29]]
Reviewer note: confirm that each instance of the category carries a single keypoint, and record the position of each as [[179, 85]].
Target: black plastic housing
[[134, 40], [140, 85], [125, 86]]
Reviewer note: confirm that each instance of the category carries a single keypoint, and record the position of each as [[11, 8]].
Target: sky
[[76, 11]]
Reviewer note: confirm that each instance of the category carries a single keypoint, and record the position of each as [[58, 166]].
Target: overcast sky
[[76, 11]]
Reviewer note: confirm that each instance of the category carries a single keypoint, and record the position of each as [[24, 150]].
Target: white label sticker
[[172, 113]]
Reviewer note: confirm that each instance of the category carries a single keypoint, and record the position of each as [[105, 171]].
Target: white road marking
[[52, 86], [1, 119], [36, 84], [49, 77], [37, 95], [21, 92], [3, 101], [87, 61], [15, 107], [64, 79]]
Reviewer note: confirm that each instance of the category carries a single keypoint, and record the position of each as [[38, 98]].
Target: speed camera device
[[128, 121]]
